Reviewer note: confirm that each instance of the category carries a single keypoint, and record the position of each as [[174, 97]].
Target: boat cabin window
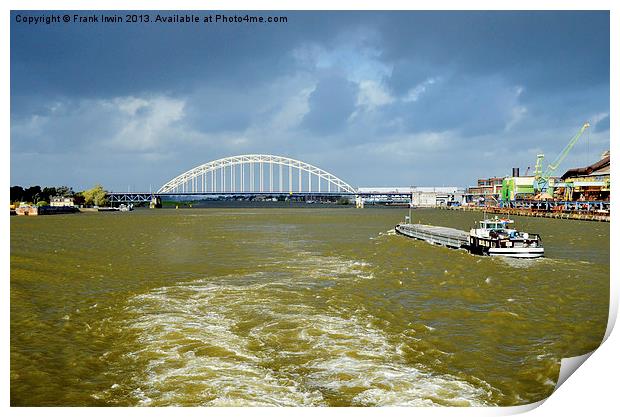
[[486, 225]]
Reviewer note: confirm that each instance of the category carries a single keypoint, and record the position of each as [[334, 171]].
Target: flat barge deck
[[437, 235]]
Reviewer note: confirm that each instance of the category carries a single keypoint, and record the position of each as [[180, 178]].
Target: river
[[293, 307]]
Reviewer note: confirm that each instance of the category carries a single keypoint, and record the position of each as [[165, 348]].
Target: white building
[[435, 196], [58, 201], [421, 196]]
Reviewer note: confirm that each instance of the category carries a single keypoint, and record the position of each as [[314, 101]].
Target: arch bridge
[[256, 173], [253, 174]]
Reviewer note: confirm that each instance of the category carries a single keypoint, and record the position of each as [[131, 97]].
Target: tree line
[[96, 196]]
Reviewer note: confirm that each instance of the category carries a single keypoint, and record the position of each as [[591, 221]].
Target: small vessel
[[122, 208], [495, 237]]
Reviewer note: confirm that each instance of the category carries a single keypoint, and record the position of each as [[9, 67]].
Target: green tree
[[96, 196], [343, 201], [64, 191], [78, 199], [47, 193], [32, 194], [17, 194]]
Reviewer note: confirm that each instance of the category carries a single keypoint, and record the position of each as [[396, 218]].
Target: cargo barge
[[492, 237], [437, 235]]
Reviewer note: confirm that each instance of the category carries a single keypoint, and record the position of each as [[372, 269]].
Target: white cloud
[[519, 90], [516, 115], [517, 112], [292, 110], [416, 92], [351, 56], [148, 125], [372, 94], [416, 146], [129, 105], [156, 123], [597, 118]]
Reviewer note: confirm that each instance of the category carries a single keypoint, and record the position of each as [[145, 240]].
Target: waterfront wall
[[536, 213], [44, 210]]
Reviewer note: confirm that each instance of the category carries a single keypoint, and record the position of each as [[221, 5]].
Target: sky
[[375, 98]]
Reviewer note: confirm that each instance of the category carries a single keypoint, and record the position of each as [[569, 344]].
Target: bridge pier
[[155, 202], [359, 201]]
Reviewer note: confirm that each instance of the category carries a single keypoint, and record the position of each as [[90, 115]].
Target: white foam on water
[[360, 361], [194, 349], [531, 263], [367, 276], [401, 387], [194, 356], [519, 263]]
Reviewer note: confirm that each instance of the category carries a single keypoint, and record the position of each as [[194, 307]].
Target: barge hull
[[444, 236], [518, 252]]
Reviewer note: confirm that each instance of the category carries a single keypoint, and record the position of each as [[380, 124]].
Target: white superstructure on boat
[[495, 237]]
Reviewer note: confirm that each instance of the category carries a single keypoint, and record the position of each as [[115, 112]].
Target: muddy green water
[[293, 307]]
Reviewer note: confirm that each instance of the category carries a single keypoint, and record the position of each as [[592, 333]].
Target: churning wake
[[270, 339]]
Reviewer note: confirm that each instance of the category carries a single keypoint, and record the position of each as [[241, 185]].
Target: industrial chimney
[[515, 172]]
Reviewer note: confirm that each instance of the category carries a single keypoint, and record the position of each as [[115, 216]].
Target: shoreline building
[[486, 192], [60, 201], [591, 183], [436, 196], [417, 196]]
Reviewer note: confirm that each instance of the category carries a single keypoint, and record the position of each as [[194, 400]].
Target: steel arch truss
[[195, 179]]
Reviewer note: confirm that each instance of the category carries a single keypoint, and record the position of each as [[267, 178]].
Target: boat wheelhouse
[[495, 237]]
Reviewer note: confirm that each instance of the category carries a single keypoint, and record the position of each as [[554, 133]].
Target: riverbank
[[535, 213], [44, 210]]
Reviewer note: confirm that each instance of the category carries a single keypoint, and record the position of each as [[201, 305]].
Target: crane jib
[[541, 181], [552, 167]]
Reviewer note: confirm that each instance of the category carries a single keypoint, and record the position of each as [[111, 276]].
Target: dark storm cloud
[[418, 89], [331, 104], [111, 60], [470, 105], [550, 50]]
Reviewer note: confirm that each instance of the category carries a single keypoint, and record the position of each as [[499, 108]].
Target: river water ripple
[[293, 307]]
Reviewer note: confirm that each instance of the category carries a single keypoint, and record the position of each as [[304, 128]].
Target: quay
[[44, 210], [437, 235], [530, 212]]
